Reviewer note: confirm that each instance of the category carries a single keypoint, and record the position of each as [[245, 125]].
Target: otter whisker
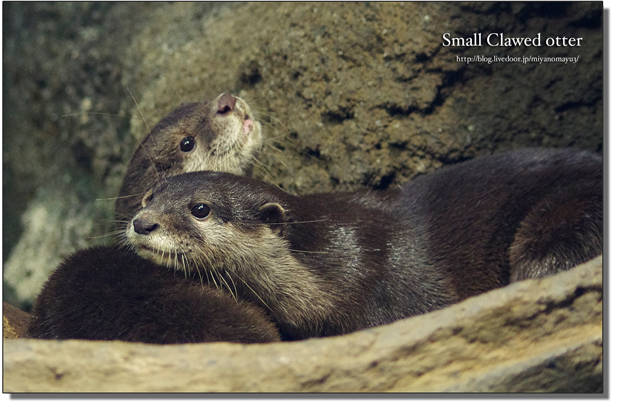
[[211, 269], [115, 233], [215, 282], [208, 270], [267, 175], [199, 268], [92, 113], [118, 222], [226, 283], [212, 274], [182, 262], [116, 198], [299, 222], [270, 145], [288, 223], [151, 134], [256, 294], [107, 234], [233, 283], [161, 257], [263, 114], [180, 100], [278, 150], [201, 282], [261, 164], [186, 269], [196, 266]]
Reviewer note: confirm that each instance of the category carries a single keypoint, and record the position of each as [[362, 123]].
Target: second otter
[[105, 293], [218, 135], [327, 264]]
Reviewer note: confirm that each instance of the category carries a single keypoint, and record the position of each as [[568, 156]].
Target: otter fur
[[328, 264], [219, 135], [106, 293]]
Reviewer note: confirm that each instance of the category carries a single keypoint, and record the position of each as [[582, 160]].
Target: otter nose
[[143, 226], [226, 103]]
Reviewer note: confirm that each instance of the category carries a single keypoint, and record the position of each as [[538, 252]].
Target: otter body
[[517, 215], [328, 264], [218, 135], [105, 293]]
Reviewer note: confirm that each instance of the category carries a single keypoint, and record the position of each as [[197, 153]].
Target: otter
[[219, 135], [107, 293], [333, 263]]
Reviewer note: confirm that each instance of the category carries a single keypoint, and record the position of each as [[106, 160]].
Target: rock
[[533, 336], [14, 322], [350, 94]]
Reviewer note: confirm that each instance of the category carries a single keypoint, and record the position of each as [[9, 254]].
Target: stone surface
[[14, 322], [533, 336], [350, 94]]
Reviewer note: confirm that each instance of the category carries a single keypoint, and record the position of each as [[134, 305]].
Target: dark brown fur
[[105, 293], [512, 216], [328, 264]]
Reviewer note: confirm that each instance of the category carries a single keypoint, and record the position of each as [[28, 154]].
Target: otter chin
[[328, 264], [220, 135]]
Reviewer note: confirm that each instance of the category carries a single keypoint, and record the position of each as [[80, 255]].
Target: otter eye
[[187, 144], [201, 211]]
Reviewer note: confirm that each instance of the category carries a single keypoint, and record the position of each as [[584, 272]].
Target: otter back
[[512, 216]]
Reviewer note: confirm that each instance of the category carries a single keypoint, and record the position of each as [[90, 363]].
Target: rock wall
[[350, 94], [533, 336]]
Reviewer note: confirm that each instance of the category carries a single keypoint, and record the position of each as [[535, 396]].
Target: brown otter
[[106, 293], [327, 264], [219, 135]]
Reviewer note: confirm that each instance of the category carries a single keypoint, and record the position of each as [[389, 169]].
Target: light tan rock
[[533, 336]]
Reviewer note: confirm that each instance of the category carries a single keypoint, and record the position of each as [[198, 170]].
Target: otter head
[[219, 135], [210, 223], [240, 233]]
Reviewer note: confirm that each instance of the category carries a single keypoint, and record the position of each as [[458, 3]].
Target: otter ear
[[272, 213]]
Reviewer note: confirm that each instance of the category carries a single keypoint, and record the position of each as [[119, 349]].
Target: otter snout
[[144, 226]]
